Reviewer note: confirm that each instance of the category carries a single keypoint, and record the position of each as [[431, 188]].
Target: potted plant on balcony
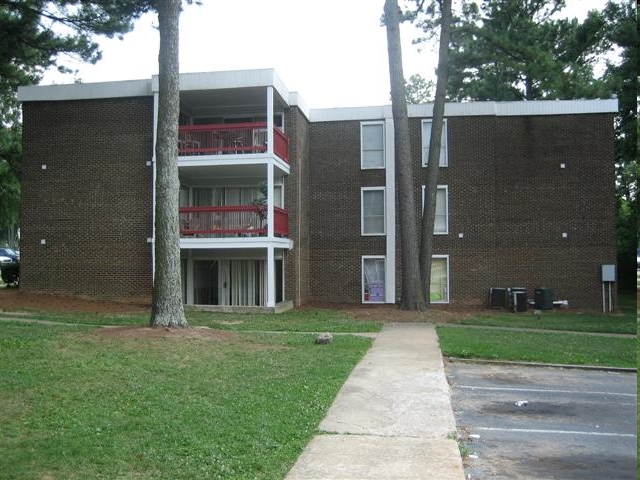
[[261, 205]]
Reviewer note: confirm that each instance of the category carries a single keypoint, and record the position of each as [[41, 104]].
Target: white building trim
[[390, 197], [295, 99], [83, 91], [468, 109], [269, 77]]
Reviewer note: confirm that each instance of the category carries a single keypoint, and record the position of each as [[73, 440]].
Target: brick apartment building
[[525, 196]]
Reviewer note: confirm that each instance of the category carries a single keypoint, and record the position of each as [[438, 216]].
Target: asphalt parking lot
[[545, 423]]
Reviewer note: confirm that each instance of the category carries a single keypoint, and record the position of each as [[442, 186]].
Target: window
[[426, 138], [221, 196], [278, 194], [372, 211], [372, 145], [373, 274], [441, 223], [206, 197], [439, 291]]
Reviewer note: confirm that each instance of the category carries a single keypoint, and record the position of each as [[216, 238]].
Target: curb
[[547, 365]]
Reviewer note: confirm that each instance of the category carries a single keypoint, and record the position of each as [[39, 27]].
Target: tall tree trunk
[[412, 292], [167, 309], [429, 212]]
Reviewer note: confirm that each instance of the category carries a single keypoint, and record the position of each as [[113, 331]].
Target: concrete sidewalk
[[392, 419]]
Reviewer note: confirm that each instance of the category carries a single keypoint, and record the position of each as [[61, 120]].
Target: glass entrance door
[[205, 279]]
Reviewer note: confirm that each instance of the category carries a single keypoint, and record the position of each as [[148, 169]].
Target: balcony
[[226, 139], [231, 221]]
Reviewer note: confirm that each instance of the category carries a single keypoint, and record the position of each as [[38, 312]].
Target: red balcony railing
[[233, 138], [281, 145], [231, 221], [281, 224]]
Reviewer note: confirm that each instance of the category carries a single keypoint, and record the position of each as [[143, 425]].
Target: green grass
[[293, 321], [83, 318], [77, 404], [614, 323], [544, 347], [623, 321]]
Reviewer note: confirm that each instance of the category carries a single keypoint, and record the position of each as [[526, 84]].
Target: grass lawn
[[615, 323], [80, 403], [293, 321], [544, 347], [623, 321], [557, 345]]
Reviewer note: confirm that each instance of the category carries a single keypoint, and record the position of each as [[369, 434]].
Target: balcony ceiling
[[214, 173], [226, 101]]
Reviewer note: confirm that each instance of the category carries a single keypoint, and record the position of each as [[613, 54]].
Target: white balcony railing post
[[271, 224], [270, 125]]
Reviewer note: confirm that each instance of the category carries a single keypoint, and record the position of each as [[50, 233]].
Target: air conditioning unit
[[497, 297], [518, 299], [543, 298]]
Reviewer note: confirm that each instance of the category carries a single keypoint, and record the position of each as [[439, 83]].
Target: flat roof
[[268, 77], [465, 109], [147, 87], [202, 81], [84, 91]]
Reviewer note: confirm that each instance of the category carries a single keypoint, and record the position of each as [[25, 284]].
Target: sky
[[333, 52]]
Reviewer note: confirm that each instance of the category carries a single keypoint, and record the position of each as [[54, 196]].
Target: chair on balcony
[[187, 145], [238, 144], [260, 140], [218, 142], [186, 225]]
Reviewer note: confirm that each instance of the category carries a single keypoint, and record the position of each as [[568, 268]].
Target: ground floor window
[[205, 282], [231, 282], [439, 291], [373, 275]]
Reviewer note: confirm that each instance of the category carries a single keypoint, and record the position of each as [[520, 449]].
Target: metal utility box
[[518, 299], [543, 298], [608, 273], [497, 298]]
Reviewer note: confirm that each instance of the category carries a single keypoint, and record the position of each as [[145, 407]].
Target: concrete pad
[[392, 419], [355, 457], [398, 389]]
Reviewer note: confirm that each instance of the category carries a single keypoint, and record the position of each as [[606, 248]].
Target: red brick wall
[[508, 196], [92, 204], [334, 207], [297, 204], [537, 201]]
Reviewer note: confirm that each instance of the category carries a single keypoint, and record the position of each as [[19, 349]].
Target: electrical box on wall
[[608, 273]]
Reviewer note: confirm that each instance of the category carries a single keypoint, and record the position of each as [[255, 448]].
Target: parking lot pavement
[[543, 423]]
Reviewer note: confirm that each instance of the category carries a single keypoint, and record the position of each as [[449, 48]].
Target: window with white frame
[[373, 275], [372, 212], [372, 145], [426, 139], [441, 222], [439, 290]]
